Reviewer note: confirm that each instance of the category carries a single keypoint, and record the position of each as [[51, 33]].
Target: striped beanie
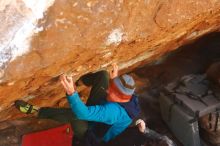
[[125, 84]]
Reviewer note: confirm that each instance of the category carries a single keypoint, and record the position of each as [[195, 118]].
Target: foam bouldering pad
[[59, 136]]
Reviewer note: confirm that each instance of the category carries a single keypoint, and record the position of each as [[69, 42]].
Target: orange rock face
[[79, 37]]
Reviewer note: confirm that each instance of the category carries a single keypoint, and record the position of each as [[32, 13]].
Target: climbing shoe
[[25, 107]]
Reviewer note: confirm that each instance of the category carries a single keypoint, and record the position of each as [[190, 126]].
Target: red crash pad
[[59, 136]]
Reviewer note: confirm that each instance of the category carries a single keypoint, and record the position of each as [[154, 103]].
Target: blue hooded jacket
[[110, 113]]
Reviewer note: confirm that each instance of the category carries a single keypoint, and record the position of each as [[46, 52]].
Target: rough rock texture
[[81, 36], [191, 58]]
